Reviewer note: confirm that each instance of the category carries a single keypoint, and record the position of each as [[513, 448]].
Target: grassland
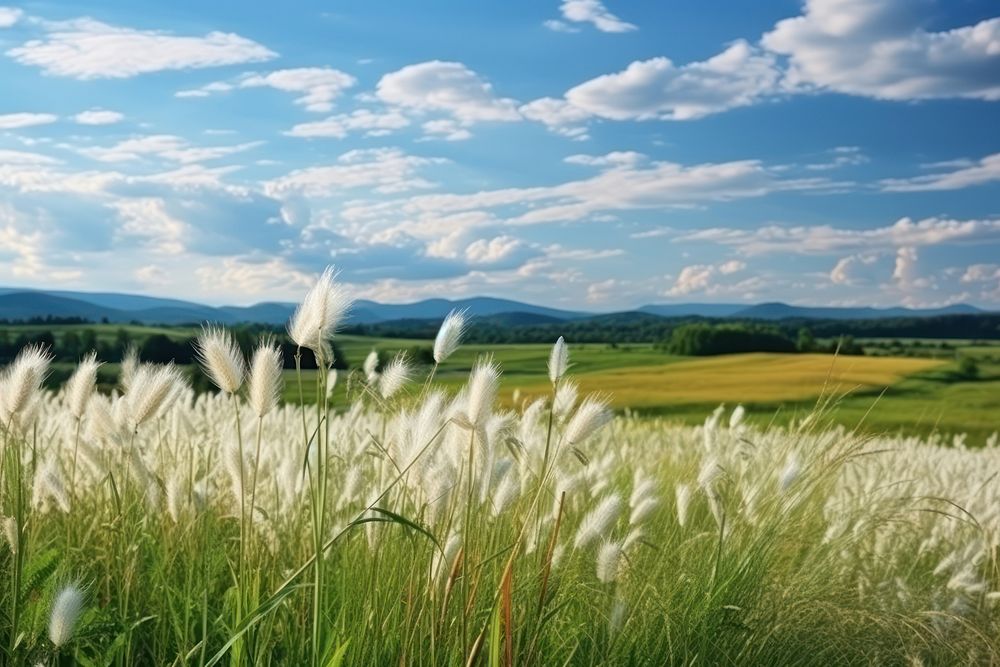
[[884, 394]]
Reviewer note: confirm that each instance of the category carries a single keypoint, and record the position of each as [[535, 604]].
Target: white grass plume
[[320, 313], [370, 367], [683, 495], [597, 522], [558, 360], [129, 365], [589, 418], [608, 560], [394, 376], [66, 612], [80, 386], [264, 386], [484, 382], [221, 358], [565, 399], [449, 336], [151, 392], [22, 380]]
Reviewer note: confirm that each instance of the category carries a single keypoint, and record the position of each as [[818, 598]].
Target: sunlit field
[[413, 525]]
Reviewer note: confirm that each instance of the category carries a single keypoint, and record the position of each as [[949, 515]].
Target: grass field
[[912, 395], [882, 394]]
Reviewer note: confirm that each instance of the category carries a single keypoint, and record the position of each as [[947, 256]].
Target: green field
[[918, 394]]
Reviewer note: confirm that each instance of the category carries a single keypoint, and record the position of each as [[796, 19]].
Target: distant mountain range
[[21, 304]]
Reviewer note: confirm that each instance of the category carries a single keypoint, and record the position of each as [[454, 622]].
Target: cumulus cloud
[[98, 117], [967, 174], [371, 123], [165, 146], [386, 170], [980, 273], [590, 11], [826, 239], [881, 49], [449, 87], [854, 269], [701, 277], [9, 16], [559, 116], [318, 86], [88, 49], [658, 89], [12, 121], [12, 157], [445, 129]]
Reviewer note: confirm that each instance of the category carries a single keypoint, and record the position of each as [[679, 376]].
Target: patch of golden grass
[[746, 378]]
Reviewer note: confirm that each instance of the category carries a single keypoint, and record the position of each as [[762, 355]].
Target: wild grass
[[423, 527]]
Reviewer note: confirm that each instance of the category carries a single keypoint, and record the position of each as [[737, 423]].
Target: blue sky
[[578, 154]]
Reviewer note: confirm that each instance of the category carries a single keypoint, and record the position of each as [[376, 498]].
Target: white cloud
[[732, 266], [13, 121], [494, 251], [967, 174], [98, 117], [206, 90], [825, 239], [10, 157], [446, 129], [450, 87], [693, 278], [318, 86], [590, 11], [559, 116], [374, 124], [9, 16], [880, 49], [559, 26], [166, 146], [88, 49], [658, 89], [619, 187], [853, 269], [386, 170], [613, 159], [980, 273]]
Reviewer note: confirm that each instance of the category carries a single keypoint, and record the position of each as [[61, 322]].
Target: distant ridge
[[22, 304]]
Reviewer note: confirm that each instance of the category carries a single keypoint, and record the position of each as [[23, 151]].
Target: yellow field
[[754, 378]]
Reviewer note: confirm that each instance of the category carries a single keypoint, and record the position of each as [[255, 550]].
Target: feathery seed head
[[80, 386], [608, 558], [331, 381], [66, 612], [320, 313], [736, 419], [590, 417], [394, 376], [683, 493], [598, 521], [265, 378], [484, 382], [565, 398], [558, 360], [22, 381], [449, 336], [151, 392], [221, 358], [130, 364], [370, 367]]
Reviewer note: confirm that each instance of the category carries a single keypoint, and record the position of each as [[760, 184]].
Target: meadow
[[430, 518]]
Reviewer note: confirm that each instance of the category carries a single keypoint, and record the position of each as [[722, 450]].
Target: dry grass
[[757, 377]]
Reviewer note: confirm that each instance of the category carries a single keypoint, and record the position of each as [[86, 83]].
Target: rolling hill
[[22, 304]]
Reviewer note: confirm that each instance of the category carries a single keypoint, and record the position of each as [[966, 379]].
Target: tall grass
[[419, 527]]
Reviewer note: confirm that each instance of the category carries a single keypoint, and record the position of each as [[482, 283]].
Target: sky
[[575, 154]]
